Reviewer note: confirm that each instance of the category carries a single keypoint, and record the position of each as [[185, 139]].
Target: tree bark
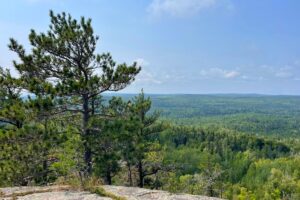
[[45, 153], [87, 148], [129, 175], [108, 177], [141, 174]]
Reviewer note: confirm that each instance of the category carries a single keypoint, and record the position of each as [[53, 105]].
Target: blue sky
[[184, 46]]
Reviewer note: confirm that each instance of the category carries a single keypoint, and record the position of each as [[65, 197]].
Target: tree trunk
[[87, 148], [19, 124], [108, 177], [45, 154], [141, 174], [129, 175], [88, 159], [210, 191], [45, 169]]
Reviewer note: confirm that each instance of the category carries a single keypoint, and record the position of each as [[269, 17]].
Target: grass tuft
[[102, 192]]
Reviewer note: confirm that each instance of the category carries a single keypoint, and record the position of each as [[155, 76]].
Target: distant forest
[[277, 116]]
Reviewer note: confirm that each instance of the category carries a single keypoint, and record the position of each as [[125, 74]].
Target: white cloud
[[285, 72], [231, 74], [289, 71], [219, 73], [179, 7], [146, 77], [141, 62]]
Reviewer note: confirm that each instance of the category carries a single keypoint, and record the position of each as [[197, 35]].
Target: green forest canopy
[[67, 131], [277, 116]]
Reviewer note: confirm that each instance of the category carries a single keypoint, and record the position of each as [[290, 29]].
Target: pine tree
[[142, 139], [63, 64], [12, 108]]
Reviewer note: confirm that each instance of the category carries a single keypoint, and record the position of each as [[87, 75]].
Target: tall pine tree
[[63, 64]]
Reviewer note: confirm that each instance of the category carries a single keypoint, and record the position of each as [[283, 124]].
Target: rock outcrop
[[67, 193]]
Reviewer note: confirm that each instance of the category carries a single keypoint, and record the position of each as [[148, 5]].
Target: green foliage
[[142, 138], [276, 116], [65, 131], [107, 150], [67, 155], [12, 108], [220, 163], [275, 179], [24, 154], [64, 71], [245, 194]]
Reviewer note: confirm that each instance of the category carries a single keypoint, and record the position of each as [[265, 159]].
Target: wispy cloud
[[231, 74], [141, 62], [179, 7], [219, 73], [146, 77], [285, 72], [289, 71]]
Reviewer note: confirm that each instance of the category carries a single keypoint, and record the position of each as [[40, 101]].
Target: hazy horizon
[[212, 94], [185, 47]]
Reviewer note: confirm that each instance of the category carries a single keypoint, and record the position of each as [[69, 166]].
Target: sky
[[183, 46]]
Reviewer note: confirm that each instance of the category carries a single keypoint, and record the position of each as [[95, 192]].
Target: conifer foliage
[[63, 65]]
